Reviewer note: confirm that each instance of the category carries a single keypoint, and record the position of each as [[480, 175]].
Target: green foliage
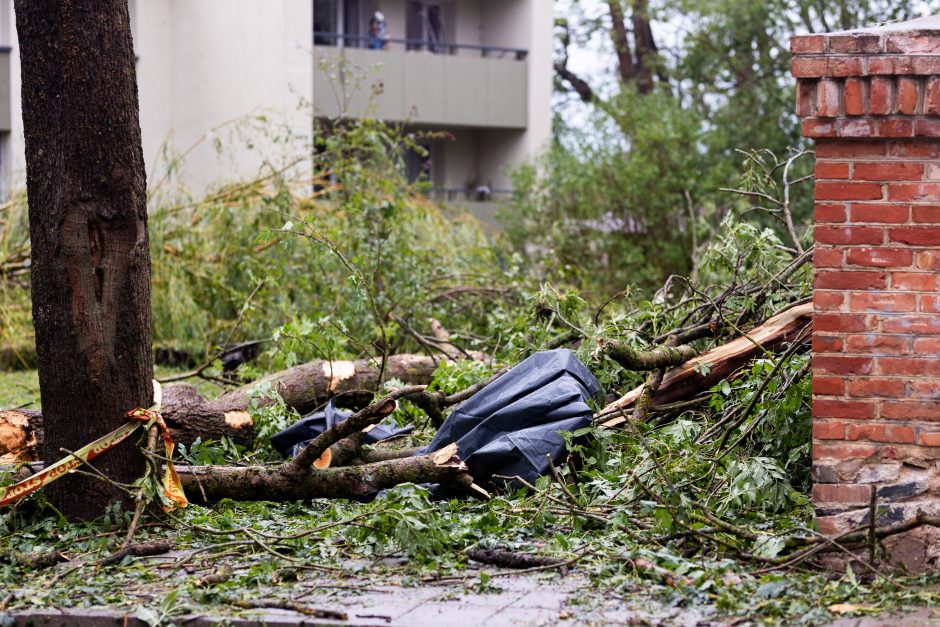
[[631, 184], [318, 259]]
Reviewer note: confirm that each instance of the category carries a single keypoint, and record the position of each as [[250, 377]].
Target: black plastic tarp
[[294, 438], [513, 425]]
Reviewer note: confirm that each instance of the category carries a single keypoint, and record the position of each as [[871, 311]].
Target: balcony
[[458, 85]]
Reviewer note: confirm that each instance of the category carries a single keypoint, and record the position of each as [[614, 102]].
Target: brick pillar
[[871, 101]]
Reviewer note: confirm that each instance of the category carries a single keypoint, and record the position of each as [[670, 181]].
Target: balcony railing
[[362, 41], [470, 194]]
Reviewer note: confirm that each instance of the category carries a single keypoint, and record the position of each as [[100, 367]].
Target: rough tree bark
[[88, 228]]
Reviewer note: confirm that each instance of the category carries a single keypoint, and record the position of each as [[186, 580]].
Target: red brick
[[878, 344], [880, 257], [848, 191], [885, 213], [875, 432], [805, 98], [913, 149], [827, 98], [896, 127], [928, 345], [880, 95], [849, 493], [924, 325], [843, 322], [854, 43], [890, 65], [860, 127], [930, 304], [928, 260], [855, 409], [911, 410], [926, 127], [850, 280], [926, 389], [921, 192], [888, 171], [905, 366], [808, 44], [827, 257], [824, 300], [829, 430], [834, 148], [906, 103], [831, 170], [810, 67], [932, 97], [829, 213], [925, 65], [915, 236], [854, 96], [845, 66], [819, 127], [842, 365], [880, 387], [827, 343], [912, 42], [828, 386], [848, 234], [840, 451], [893, 302], [930, 438], [914, 281], [830, 525], [926, 214]]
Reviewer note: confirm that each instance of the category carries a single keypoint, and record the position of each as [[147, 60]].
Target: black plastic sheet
[[512, 426], [294, 438]]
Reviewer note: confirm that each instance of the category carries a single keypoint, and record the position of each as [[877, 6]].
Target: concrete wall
[[201, 64]]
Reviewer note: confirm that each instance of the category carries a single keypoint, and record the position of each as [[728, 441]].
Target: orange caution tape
[[172, 488]]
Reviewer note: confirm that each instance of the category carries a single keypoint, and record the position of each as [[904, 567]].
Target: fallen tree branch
[[509, 559], [373, 414], [289, 482], [643, 403], [632, 359], [705, 370], [190, 415], [139, 549]]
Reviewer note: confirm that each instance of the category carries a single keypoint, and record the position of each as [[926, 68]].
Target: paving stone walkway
[[518, 600]]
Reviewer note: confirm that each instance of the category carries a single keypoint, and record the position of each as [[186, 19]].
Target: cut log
[[20, 435], [189, 415], [722, 361]]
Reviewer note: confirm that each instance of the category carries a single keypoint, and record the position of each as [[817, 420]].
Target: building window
[[339, 23], [424, 23]]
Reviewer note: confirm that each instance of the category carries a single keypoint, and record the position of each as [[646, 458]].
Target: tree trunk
[[88, 229]]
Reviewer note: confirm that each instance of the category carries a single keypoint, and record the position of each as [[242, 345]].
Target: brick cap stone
[[928, 23], [868, 51]]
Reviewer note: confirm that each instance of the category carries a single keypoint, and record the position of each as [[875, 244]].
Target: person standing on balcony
[[378, 32]]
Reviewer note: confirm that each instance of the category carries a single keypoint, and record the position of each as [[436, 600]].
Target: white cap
[[379, 16]]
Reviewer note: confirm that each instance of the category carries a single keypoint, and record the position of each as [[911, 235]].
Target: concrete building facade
[[478, 70]]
